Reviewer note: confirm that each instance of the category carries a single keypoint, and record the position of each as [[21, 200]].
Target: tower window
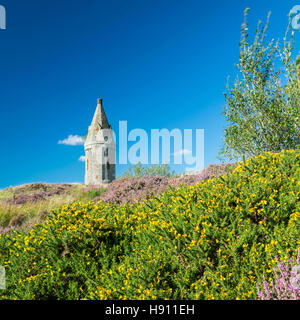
[[106, 152], [105, 138]]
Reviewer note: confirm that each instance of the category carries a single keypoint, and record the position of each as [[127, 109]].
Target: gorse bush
[[214, 240]]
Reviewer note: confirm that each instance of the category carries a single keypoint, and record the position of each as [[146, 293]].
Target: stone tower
[[100, 150]]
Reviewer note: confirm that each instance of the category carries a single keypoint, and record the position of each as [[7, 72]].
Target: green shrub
[[139, 170]]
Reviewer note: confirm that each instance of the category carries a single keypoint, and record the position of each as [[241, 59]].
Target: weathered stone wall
[[100, 163]]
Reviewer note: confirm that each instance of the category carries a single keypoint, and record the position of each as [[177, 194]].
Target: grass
[[6, 193], [24, 201]]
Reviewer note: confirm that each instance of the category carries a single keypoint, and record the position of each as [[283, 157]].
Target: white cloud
[[182, 152], [82, 159], [72, 141]]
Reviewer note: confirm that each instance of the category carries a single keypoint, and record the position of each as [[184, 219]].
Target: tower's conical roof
[[100, 120], [99, 128]]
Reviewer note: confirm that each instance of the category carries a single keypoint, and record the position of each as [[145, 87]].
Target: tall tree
[[263, 105]]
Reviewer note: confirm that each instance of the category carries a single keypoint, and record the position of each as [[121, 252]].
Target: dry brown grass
[[35, 201]]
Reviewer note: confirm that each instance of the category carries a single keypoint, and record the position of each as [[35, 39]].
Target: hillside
[[23, 206], [212, 240]]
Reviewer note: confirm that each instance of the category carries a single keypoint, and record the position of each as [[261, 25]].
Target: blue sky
[[156, 63]]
